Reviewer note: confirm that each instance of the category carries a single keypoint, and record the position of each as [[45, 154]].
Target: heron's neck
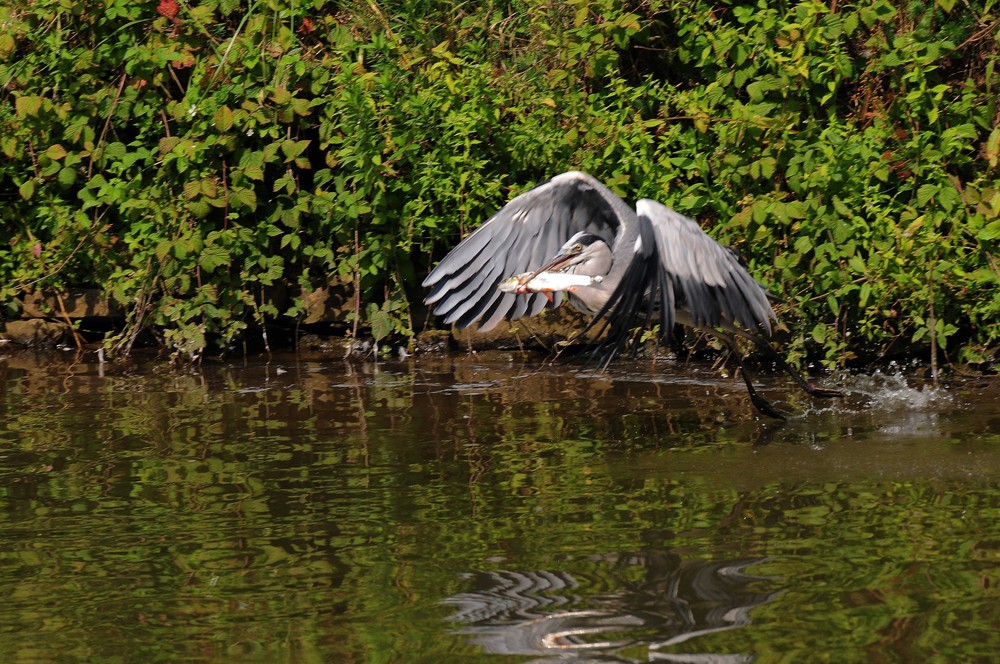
[[624, 249]]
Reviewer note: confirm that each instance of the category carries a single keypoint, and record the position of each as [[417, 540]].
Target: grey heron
[[572, 237]]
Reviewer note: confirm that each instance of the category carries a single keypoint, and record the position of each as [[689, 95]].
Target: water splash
[[904, 404], [890, 403], [893, 391]]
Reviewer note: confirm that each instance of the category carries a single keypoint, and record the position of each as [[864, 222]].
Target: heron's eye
[[577, 248]]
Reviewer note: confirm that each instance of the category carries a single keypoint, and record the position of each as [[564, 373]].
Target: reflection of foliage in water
[[325, 512]]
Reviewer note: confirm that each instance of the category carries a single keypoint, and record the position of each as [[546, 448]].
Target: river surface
[[491, 508]]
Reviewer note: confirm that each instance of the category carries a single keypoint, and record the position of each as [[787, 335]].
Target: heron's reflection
[[545, 613]]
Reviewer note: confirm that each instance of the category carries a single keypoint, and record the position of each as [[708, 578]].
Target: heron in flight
[[573, 238]]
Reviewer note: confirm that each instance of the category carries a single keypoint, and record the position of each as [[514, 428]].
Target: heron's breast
[[588, 299]]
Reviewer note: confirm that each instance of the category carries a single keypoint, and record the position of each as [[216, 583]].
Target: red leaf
[[168, 8]]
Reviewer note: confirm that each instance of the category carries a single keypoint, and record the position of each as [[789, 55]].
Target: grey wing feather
[[521, 237], [705, 277]]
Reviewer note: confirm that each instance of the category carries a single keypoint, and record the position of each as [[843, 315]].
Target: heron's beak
[[554, 265]]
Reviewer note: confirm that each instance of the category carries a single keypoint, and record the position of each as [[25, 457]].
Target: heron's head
[[584, 253]]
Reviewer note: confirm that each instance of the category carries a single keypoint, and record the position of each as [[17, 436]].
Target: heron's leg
[[814, 390], [759, 402], [762, 404]]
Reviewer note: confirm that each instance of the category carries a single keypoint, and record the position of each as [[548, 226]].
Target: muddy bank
[[83, 318]]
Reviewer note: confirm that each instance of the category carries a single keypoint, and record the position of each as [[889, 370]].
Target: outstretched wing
[[702, 276], [519, 238]]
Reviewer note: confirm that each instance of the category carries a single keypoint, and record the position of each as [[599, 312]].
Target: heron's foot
[[765, 407], [823, 392]]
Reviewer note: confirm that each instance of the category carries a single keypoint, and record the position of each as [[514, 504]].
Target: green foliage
[[199, 161]]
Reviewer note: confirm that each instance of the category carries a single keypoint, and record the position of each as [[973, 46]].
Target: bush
[[197, 160]]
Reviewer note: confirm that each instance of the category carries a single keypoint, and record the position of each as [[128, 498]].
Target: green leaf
[[380, 321], [842, 231], [993, 147], [958, 138], [293, 149], [757, 90], [851, 23], [253, 172], [767, 165], [864, 294], [796, 210], [182, 247], [8, 144], [244, 197], [67, 176], [841, 207], [990, 232], [55, 152], [212, 257], [27, 106], [925, 193], [27, 190], [628, 22], [115, 150], [223, 118], [168, 143]]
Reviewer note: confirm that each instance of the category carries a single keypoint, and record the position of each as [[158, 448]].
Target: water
[[491, 509]]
